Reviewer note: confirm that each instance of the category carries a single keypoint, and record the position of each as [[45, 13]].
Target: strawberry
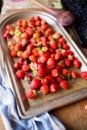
[[13, 53], [83, 75], [42, 70], [67, 62], [44, 58], [18, 47], [51, 63], [26, 54], [58, 56], [74, 74], [53, 88], [27, 77], [38, 23], [31, 46], [16, 65], [20, 74], [56, 35], [37, 18], [54, 72], [52, 55], [58, 79], [44, 26], [19, 53], [44, 81], [35, 83], [63, 84], [64, 53], [61, 40], [70, 52], [32, 58], [66, 72], [31, 94], [25, 67], [58, 67], [21, 61], [48, 31], [50, 78], [53, 44], [29, 30], [65, 46], [44, 89], [35, 52], [71, 57], [76, 63], [6, 34]]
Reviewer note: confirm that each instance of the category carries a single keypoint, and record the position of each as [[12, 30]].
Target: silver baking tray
[[29, 108]]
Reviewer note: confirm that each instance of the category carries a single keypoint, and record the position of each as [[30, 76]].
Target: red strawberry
[[32, 58], [58, 79], [26, 54], [53, 44], [20, 74], [44, 26], [58, 67], [84, 75], [76, 63], [44, 89], [52, 55], [25, 67], [30, 46], [56, 35], [66, 72], [71, 57], [50, 78], [54, 72], [58, 56], [21, 61], [31, 94], [53, 88], [42, 70], [70, 52], [67, 62], [16, 65], [51, 63], [13, 53], [35, 83], [29, 30], [44, 81], [62, 40], [18, 47], [44, 58], [65, 46], [74, 74], [65, 53], [64, 84]]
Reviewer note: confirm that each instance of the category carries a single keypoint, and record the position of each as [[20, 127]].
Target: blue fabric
[[12, 121]]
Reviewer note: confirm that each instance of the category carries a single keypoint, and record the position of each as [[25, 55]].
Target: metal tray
[[29, 108]]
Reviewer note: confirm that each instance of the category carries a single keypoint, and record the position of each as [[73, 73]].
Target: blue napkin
[[12, 120]]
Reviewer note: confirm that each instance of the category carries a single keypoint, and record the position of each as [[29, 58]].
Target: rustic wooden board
[[29, 108]]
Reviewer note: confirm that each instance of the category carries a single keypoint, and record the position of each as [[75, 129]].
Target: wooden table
[[73, 116]]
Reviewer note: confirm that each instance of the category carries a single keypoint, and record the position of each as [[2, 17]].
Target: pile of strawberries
[[41, 56]]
